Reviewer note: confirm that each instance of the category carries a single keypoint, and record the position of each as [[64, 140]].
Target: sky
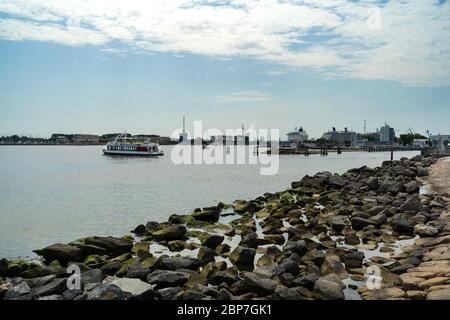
[[138, 66]]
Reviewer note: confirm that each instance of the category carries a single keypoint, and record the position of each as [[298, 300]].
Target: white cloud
[[244, 96], [331, 37]]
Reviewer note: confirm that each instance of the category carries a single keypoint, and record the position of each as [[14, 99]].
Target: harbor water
[[52, 194]]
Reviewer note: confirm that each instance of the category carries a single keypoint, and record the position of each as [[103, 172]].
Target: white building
[[420, 143], [387, 134]]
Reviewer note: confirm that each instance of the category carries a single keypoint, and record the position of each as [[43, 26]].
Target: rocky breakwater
[[365, 234]]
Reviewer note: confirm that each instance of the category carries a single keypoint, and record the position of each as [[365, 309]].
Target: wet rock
[[354, 259], [71, 294], [250, 240], [114, 246], [207, 214], [211, 240], [352, 239], [176, 245], [315, 256], [111, 267], [373, 183], [168, 293], [299, 247], [379, 219], [412, 204], [336, 181], [222, 249], [260, 286], [306, 281], [40, 281], [19, 290], [290, 266], [152, 226], [64, 253], [333, 265], [243, 258], [56, 286], [173, 232], [359, 223], [134, 288], [205, 290], [3, 267], [89, 249], [206, 254], [167, 278], [412, 187], [425, 230], [174, 263], [285, 293], [403, 226], [91, 276], [223, 277], [338, 223], [103, 291], [328, 289], [224, 294], [189, 295], [139, 230]]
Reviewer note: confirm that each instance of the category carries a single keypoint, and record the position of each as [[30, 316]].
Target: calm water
[[54, 194]]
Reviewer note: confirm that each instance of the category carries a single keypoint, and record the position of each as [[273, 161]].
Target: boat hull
[[132, 153]]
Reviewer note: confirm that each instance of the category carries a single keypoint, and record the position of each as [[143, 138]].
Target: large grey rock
[[173, 232], [114, 246], [209, 215], [104, 291], [412, 187], [373, 183], [167, 278], [91, 276], [412, 204], [425, 230], [174, 263], [336, 181], [403, 226], [57, 286], [64, 253], [328, 289], [243, 258], [136, 288], [258, 285], [359, 223], [40, 281], [210, 240]]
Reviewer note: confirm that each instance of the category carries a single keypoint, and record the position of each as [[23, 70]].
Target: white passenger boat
[[124, 146]]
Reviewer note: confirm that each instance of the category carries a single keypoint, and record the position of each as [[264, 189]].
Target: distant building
[[420, 143], [297, 136], [387, 134], [435, 139], [85, 139], [61, 140], [345, 137]]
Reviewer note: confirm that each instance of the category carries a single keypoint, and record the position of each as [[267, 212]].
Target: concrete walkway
[[439, 179]]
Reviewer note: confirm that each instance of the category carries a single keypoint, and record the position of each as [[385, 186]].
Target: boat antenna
[[184, 125]]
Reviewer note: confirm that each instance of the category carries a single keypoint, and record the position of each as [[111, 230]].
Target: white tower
[[183, 134]]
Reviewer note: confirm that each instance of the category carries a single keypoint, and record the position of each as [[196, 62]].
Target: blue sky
[[141, 67]]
